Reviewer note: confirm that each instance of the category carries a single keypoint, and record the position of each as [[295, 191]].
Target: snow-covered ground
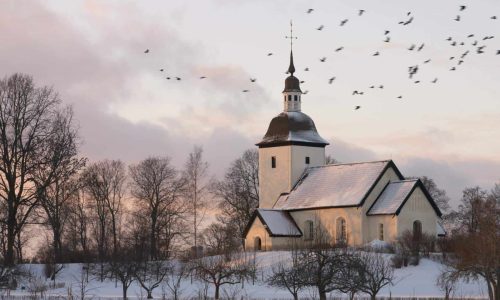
[[412, 281]]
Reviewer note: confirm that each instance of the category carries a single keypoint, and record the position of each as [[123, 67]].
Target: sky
[[92, 53]]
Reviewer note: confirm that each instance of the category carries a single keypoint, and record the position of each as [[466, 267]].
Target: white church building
[[354, 203]]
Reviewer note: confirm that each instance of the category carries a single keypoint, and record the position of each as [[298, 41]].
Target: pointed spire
[[291, 68]]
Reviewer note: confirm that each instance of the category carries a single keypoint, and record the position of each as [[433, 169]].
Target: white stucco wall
[[390, 223], [417, 208], [290, 164], [258, 230]]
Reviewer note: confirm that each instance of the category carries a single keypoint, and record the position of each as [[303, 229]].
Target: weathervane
[[291, 37]]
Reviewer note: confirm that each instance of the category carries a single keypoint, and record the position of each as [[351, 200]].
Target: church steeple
[[291, 93]]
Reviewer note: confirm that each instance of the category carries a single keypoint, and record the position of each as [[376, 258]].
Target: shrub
[[397, 261]]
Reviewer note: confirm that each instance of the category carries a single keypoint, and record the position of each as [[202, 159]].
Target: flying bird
[[498, 52], [203, 77], [454, 44], [253, 79], [386, 32], [457, 18], [470, 35], [320, 27], [245, 91], [342, 23], [452, 57], [178, 78], [474, 43], [310, 10], [376, 54], [408, 13], [400, 97], [462, 7], [493, 17], [323, 59], [331, 80], [356, 93], [161, 70], [302, 81], [146, 51], [408, 22], [305, 92], [435, 80], [338, 49], [387, 39], [361, 11], [168, 78], [372, 87], [269, 54], [357, 107], [449, 39], [464, 54], [460, 62], [380, 86], [306, 69], [412, 47], [453, 69], [417, 81], [421, 47], [427, 61]]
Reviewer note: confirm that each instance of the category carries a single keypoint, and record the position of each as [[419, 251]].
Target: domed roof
[[292, 84], [292, 128]]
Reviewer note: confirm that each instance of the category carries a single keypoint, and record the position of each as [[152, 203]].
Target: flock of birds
[[413, 70]]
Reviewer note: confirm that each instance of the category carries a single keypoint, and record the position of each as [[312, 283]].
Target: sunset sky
[[92, 53]]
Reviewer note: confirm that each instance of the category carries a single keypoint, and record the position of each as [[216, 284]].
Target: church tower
[[290, 145]]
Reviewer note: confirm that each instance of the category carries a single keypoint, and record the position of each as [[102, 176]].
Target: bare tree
[[330, 160], [288, 274], [476, 246], [438, 195], [239, 191], [37, 138], [150, 274], [157, 187], [377, 272], [78, 224], [230, 268], [218, 237], [104, 182], [447, 281], [195, 176], [174, 279]]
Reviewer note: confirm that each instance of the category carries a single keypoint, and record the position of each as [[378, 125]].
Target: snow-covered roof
[[333, 185], [392, 197], [278, 222], [440, 230]]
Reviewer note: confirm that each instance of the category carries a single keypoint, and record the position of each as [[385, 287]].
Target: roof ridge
[[353, 163], [405, 180]]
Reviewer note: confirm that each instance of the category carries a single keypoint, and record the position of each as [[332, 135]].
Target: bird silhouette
[[320, 27], [457, 18], [408, 13], [269, 54], [310, 10], [400, 97], [178, 78], [454, 44], [464, 54], [302, 81], [470, 35], [245, 91], [412, 47], [386, 32], [474, 43], [462, 43], [480, 50], [387, 39], [203, 77], [435, 80], [380, 86], [453, 69], [493, 17], [417, 81], [427, 61], [372, 86], [161, 70], [342, 23], [253, 79], [146, 51], [323, 59], [409, 21], [357, 107], [168, 78], [452, 57], [462, 7], [421, 47], [305, 92], [339, 49], [498, 52], [376, 54], [355, 92], [449, 39], [361, 11], [306, 69], [460, 62], [331, 80]]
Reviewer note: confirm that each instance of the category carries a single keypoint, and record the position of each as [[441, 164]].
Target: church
[[354, 203]]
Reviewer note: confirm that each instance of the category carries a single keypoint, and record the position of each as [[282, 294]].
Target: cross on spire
[[291, 37]]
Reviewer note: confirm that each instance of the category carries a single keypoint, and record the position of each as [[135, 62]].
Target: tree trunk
[[124, 288], [150, 294], [216, 292], [11, 235], [322, 295], [373, 297], [295, 296]]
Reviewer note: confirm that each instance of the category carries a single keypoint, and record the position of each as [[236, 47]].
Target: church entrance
[[257, 244]]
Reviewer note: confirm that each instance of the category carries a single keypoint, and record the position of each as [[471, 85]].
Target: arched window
[[381, 231], [257, 244], [417, 230], [289, 97], [341, 230], [295, 98], [308, 230]]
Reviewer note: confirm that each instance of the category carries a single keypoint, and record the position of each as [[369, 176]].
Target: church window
[[417, 230], [309, 230], [289, 97], [295, 98], [257, 244], [381, 231], [284, 98], [341, 230], [273, 162], [307, 160]]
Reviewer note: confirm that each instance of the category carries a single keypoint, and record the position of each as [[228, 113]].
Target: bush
[[397, 261], [414, 260]]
